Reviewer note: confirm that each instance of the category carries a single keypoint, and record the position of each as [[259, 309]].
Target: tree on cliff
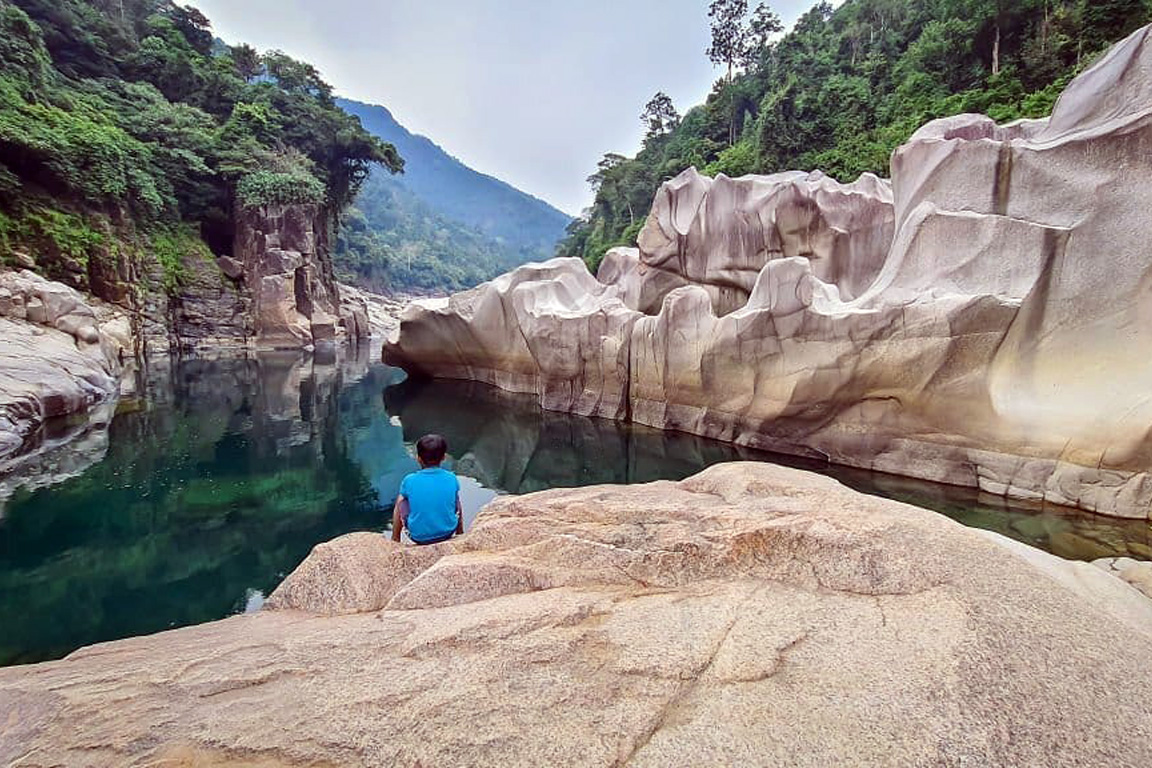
[[761, 27], [121, 122], [729, 32]]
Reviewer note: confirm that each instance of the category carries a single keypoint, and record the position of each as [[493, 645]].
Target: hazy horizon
[[533, 95]]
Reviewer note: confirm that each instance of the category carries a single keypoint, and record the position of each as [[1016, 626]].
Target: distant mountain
[[440, 225]]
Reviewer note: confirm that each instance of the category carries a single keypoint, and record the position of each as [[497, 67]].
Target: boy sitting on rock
[[429, 502]]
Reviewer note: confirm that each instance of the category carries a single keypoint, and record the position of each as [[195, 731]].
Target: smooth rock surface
[[55, 357], [751, 615], [719, 233], [989, 327], [1135, 572], [550, 329]]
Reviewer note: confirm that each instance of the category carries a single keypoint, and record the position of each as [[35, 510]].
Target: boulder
[[982, 323], [356, 573], [323, 327], [549, 329], [56, 358], [1135, 572], [370, 314], [750, 615], [231, 268]]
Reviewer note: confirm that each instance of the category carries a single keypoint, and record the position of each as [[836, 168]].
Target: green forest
[[128, 130], [844, 88], [391, 239]]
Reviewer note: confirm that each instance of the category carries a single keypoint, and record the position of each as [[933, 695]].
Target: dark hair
[[431, 448]]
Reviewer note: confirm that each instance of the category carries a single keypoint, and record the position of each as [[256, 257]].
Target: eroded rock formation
[[295, 301], [751, 615], [59, 355], [990, 329]]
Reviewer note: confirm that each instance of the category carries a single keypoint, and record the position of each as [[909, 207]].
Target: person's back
[[429, 502]]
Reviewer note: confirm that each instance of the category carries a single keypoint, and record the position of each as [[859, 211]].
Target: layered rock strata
[[60, 355], [999, 341], [751, 615]]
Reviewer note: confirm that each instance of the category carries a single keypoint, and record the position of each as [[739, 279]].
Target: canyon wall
[[985, 321]]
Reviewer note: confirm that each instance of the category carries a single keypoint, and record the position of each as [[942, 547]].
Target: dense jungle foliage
[[393, 240], [847, 86], [125, 127]]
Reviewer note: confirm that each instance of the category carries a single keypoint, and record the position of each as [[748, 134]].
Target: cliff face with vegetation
[[136, 152], [846, 87]]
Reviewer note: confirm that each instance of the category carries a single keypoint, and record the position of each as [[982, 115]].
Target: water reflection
[[506, 442], [216, 482], [200, 494]]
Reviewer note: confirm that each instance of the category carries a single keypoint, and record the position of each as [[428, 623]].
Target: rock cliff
[[751, 615], [983, 322]]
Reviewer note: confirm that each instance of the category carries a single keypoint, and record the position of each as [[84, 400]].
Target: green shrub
[[272, 188], [171, 248], [51, 232]]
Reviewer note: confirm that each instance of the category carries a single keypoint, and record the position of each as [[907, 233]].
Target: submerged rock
[[986, 323], [750, 615]]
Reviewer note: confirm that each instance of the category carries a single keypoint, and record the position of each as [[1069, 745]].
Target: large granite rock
[[751, 615], [998, 341], [719, 233], [550, 329], [57, 358]]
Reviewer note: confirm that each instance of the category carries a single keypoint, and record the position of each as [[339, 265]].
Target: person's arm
[[399, 515], [459, 515]]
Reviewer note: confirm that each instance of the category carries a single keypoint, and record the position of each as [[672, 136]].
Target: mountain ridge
[[428, 167], [441, 225], [344, 103]]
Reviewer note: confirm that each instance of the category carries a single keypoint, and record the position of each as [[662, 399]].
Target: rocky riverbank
[[61, 355], [66, 354], [748, 615], [981, 321]]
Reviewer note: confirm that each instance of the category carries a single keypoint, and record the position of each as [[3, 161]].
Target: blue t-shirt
[[431, 495]]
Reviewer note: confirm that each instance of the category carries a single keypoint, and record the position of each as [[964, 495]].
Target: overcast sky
[[531, 91]]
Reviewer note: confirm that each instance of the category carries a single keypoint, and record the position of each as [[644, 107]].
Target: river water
[[192, 501]]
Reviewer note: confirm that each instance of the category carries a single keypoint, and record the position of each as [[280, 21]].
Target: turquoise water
[[195, 499]]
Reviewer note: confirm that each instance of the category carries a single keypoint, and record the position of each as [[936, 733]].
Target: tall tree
[[247, 60], [729, 42], [763, 25], [659, 115], [729, 32]]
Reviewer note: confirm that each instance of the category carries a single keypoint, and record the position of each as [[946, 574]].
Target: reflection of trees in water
[[229, 471], [222, 481], [507, 442]]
